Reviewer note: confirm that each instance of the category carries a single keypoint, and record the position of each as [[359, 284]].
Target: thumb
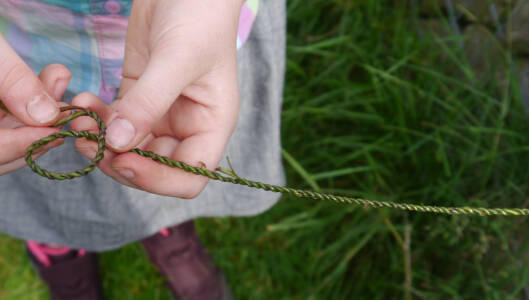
[[22, 92], [148, 100]]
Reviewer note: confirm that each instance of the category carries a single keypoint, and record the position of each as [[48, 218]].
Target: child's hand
[[31, 107], [178, 96]]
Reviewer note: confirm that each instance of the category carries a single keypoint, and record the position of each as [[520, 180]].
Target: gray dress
[[96, 213]]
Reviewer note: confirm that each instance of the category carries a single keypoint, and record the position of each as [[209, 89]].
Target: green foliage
[[376, 106]]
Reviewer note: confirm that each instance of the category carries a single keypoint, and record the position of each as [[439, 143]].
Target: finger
[[149, 98], [9, 121], [65, 113], [22, 92], [93, 103], [148, 175], [15, 141], [55, 78], [89, 150], [86, 147], [18, 163]]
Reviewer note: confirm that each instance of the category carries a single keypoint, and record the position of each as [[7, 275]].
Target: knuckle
[[152, 109], [14, 78]]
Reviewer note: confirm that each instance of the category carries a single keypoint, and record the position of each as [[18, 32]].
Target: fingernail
[[120, 133], [60, 87], [42, 108], [126, 173], [90, 153]]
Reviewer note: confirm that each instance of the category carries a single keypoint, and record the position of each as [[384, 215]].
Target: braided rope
[[100, 139], [224, 175]]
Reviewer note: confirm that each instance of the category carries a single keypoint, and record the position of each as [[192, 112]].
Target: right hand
[[33, 104]]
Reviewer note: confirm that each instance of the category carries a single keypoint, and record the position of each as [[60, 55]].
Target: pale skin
[[33, 103], [178, 97]]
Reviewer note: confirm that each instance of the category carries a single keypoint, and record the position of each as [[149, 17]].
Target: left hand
[[15, 135], [178, 96]]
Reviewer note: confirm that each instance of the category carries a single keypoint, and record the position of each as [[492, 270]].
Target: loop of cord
[[100, 139], [230, 176]]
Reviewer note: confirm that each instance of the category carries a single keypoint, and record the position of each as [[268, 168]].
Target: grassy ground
[[377, 105]]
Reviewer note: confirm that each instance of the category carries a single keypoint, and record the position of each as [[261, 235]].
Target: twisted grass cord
[[224, 175]]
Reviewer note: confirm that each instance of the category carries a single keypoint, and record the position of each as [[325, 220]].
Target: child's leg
[[69, 274], [180, 256], [177, 252]]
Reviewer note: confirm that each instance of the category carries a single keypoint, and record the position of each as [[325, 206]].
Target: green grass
[[376, 106]]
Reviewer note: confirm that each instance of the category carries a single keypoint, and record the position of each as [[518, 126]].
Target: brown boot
[[70, 275], [180, 256]]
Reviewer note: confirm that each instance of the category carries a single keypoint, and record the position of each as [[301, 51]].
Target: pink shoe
[[70, 274]]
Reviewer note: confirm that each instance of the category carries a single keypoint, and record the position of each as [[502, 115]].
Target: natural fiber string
[[224, 175]]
